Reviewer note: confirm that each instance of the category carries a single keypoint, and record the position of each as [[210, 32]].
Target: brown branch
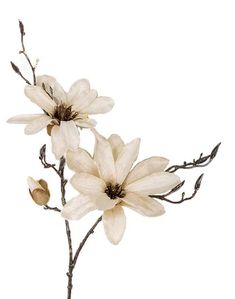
[[70, 268], [18, 72], [46, 207], [42, 158], [63, 182], [23, 51], [202, 161], [90, 232], [164, 197], [72, 260]]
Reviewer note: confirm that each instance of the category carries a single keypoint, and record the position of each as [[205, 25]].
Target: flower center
[[114, 191], [64, 113]]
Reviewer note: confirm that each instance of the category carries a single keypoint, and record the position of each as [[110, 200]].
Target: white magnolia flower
[[63, 112], [106, 182]]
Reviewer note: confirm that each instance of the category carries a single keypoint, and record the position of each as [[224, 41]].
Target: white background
[[170, 66]]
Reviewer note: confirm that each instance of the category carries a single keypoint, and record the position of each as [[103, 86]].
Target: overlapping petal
[[78, 207], [147, 167], [143, 204], [58, 142], [81, 161], [84, 99], [102, 201], [78, 88], [38, 96], [71, 134], [23, 118], [155, 183], [104, 158], [86, 123], [99, 105], [125, 159], [38, 124], [87, 183], [117, 145], [53, 88]]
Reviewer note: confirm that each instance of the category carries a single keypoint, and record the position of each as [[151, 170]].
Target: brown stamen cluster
[[114, 191], [64, 113]]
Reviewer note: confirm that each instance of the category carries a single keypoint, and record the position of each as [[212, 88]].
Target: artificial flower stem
[[202, 161], [90, 232], [63, 182], [72, 263], [70, 268]]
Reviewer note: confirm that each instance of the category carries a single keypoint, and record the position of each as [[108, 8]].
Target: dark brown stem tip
[[215, 151], [176, 188], [21, 25], [198, 182], [42, 152], [15, 68]]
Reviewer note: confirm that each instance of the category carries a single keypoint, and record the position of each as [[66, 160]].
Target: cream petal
[[99, 105], [78, 87], [58, 142], [155, 183], [83, 100], [38, 96], [126, 158], [78, 207], [147, 167], [114, 222], [143, 204], [23, 118], [71, 134], [117, 144], [104, 158], [38, 124], [81, 161], [87, 183], [102, 201], [53, 88], [86, 123]]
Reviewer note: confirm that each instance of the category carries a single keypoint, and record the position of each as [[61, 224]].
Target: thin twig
[[63, 182], [46, 207], [163, 197], [23, 51], [202, 161], [16, 69], [42, 158], [70, 268], [90, 232]]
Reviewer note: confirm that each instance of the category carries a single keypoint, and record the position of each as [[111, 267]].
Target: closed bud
[[39, 191]]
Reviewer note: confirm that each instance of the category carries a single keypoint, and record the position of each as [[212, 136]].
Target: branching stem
[[202, 161], [23, 51], [63, 182], [164, 197], [91, 231]]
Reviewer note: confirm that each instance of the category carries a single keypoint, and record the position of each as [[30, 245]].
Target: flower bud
[[39, 191]]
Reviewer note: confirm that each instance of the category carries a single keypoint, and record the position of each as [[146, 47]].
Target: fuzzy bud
[[39, 191]]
